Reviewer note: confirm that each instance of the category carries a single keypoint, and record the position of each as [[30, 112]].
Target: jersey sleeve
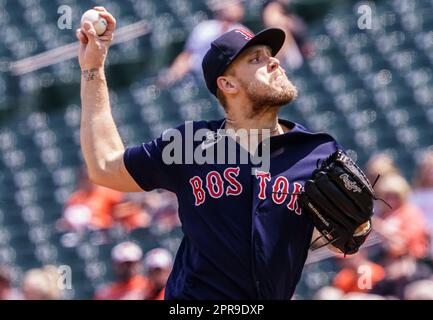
[[146, 166]]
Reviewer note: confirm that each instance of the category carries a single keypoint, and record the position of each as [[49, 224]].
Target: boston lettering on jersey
[[244, 236], [216, 186]]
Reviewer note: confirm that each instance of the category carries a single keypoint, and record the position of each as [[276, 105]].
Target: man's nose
[[274, 64]]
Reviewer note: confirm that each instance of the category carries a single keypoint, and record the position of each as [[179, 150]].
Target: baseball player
[[246, 236]]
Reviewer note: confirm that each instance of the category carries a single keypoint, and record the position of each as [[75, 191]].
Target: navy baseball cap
[[230, 45]]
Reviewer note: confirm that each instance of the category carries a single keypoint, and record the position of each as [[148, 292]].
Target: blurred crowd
[[92, 207], [136, 277], [96, 210]]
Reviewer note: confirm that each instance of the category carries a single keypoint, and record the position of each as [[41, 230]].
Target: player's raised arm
[[101, 144]]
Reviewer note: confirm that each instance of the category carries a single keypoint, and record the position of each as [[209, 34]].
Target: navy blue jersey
[[244, 235]]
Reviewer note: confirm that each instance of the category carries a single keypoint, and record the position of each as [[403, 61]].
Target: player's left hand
[[339, 199]]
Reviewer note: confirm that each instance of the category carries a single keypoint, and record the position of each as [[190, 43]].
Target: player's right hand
[[93, 48]]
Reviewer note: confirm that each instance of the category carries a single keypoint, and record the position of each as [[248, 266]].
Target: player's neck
[[264, 119]]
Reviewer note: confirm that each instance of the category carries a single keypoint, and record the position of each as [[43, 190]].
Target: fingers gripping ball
[[99, 23]]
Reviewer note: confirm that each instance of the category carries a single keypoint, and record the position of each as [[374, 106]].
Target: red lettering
[[263, 177], [214, 184], [280, 190], [248, 35], [197, 189], [235, 188], [294, 198]]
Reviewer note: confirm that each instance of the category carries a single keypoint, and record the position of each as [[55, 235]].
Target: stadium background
[[370, 88]]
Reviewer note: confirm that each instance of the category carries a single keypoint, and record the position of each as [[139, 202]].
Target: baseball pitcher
[[247, 227]]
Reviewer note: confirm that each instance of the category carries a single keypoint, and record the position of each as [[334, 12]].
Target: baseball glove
[[339, 199]]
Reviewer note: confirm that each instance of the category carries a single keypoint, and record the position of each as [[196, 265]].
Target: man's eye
[[256, 59]]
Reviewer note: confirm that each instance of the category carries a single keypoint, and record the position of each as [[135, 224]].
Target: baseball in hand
[[98, 22]]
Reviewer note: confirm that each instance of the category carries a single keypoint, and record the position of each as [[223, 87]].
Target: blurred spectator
[[403, 227], [405, 235], [277, 14], [129, 215], [130, 284], [228, 15], [150, 201], [328, 293], [158, 263], [353, 268], [422, 195], [41, 284], [157, 200], [380, 164], [7, 292], [424, 172], [161, 206], [419, 290], [89, 207], [362, 296], [166, 219], [400, 273]]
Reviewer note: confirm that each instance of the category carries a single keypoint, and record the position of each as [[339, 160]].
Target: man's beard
[[262, 95]]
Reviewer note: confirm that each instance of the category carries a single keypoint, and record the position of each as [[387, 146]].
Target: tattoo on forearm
[[90, 74]]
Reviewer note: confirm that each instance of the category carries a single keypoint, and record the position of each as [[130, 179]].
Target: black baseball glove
[[339, 199]]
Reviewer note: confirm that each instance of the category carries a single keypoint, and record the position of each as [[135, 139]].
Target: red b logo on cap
[[248, 35]]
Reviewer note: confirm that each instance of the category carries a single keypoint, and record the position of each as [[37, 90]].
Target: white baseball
[[99, 23]]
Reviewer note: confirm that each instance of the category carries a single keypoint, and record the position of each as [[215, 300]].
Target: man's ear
[[227, 85]]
